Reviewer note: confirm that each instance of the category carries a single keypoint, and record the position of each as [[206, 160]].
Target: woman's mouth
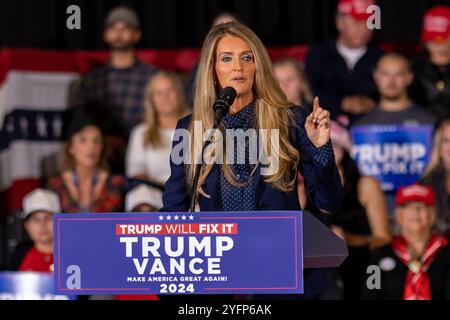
[[239, 79]]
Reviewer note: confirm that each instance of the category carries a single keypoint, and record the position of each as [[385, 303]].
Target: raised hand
[[318, 125]]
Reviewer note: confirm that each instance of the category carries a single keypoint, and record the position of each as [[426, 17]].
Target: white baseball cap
[[40, 200], [143, 194]]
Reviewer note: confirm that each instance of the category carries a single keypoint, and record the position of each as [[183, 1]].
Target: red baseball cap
[[415, 192], [355, 8], [436, 24]]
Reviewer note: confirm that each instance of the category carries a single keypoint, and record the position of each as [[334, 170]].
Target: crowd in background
[[118, 143]]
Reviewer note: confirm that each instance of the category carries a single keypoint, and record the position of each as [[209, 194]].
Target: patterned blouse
[[242, 198], [110, 200], [236, 198]]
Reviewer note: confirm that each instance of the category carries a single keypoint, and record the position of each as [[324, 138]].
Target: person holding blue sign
[[232, 55], [391, 142]]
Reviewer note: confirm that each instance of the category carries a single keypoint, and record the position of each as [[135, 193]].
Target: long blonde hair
[[152, 135], [437, 144], [271, 108]]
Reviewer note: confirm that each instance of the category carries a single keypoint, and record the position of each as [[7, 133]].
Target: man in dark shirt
[[116, 90], [340, 71], [432, 68], [416, 266], [392, 77]]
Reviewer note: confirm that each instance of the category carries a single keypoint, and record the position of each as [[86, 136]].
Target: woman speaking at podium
[[233, 56]]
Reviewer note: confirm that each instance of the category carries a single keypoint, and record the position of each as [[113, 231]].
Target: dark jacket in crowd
[[431, 86], [436, 179], [393, 274], [331, 80]]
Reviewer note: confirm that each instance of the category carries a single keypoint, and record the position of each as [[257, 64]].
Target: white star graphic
[[183, 217], [41, 125], [10, 125], [176, 217], [24, 126], [57, 127], [191, 217], [168, 218], [161, 218]]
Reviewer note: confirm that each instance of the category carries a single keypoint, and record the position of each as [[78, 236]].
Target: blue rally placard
[[394, 154], [21, 285], [179, 253]]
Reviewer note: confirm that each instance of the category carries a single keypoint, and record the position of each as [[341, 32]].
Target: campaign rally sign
[[394, 154], [29, 286], [179, 253]]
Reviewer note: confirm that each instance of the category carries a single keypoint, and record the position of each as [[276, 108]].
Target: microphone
[[221, 107], [222, 104]]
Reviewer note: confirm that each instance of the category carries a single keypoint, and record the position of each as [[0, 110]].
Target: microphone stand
[[198, 167]]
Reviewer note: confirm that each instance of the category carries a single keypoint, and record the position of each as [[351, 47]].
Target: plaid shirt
[[121, 91], [111, 197]]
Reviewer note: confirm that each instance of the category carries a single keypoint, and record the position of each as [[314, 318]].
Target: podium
[[191, 253], [321, 247]]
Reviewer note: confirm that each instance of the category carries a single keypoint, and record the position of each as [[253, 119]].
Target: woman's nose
[[237, 65]]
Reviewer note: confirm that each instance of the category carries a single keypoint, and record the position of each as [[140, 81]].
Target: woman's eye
[[247, 58], [226, 59]]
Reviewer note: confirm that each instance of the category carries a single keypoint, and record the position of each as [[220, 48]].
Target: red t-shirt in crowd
[[35, 260]]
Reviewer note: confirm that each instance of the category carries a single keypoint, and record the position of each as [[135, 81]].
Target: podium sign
[[179, 253]]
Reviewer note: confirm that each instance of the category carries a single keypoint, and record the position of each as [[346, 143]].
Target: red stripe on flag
[[11, 198]]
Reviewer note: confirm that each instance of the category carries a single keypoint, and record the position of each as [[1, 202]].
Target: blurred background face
[[353, 33], [86, 147], [392, 77], [445, 145], [144, 208], [120, 36], [39, 226], [289, 81], [415, 217], [165, 96], [438, 47], [235, 65]]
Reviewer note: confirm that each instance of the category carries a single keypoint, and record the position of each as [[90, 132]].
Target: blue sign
[[29, 286], [394, 154], [179, 253]]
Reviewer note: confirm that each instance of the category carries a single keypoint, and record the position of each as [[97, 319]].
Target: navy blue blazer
[[322, 183]]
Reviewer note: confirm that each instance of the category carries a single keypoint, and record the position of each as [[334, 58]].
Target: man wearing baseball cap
[[119, 86], [38, 208], [143, 198], [340, 71], [431, 87], [416, 266]]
